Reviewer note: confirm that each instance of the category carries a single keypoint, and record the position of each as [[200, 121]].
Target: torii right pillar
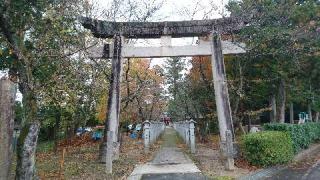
[[222, 102]]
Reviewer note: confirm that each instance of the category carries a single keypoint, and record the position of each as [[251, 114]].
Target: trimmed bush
[[267, 148], [302, 135]]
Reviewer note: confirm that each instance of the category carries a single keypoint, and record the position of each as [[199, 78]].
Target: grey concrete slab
[[165, 168], [174, 176], [170, 155], [314, 173]]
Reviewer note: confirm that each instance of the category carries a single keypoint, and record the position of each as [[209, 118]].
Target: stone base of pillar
[[103, 151], [229, 164], [110, 152], [227, 156], [116, 150]]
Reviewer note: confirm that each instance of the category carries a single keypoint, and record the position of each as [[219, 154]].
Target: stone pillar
[[112, 121], [301, 119], [192, 137], [229, 165], [158, 128], [109, 153], [316, 119], [221, 90], [151, 132], [146, 135], [187, 132], [273, 113], [7, 101]]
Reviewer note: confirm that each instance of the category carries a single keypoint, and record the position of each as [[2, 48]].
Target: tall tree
[[175, 86], [174, 67]]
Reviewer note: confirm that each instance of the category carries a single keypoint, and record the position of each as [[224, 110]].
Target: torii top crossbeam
[[176, 29]]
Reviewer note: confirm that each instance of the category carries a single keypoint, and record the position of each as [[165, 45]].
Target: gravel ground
[[208, 161]]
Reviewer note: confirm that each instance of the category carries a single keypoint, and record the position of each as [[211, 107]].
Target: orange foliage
[[201, 67], [102, 109], [145, 85], [141, 82]]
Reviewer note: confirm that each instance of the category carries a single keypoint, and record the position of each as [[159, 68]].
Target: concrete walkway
[[169, 163]]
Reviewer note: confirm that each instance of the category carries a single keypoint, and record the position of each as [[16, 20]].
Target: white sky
[[175, 10]]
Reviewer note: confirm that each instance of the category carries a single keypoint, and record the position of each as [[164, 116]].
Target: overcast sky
[[174, 10]]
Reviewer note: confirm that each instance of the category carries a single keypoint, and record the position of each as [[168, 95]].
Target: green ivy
[[267, 148]]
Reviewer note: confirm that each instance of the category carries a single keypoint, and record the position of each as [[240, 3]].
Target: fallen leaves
[[207, 158], [81, 159], [77, 141], [244, 164]]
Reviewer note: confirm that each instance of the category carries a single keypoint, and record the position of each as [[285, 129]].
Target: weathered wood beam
[[192, 28]]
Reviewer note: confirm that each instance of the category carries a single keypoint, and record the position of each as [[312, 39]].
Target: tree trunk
[[310, 112], [27, 142], [140, 111], [273, 113], [56, 128], [242, 128], [317, 117], [26, 151], [282, 101], [291, 113], [238, 98], [310, 103], [249, 123], [7, 101]]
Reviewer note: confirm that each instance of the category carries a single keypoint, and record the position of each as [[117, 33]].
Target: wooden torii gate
[[212, 46]]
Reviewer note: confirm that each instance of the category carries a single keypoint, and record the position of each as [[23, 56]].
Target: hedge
[[302, 135], [267, 148]]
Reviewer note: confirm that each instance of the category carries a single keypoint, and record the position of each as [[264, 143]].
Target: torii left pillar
[[222, 101], [113, 113]]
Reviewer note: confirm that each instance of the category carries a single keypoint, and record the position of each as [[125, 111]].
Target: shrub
[[267, 148], [301, 134], [314, 131]]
